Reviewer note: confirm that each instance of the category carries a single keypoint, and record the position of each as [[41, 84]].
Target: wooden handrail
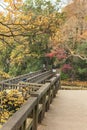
[[21, 77], [19, 86], [33, 111], [39, 78]]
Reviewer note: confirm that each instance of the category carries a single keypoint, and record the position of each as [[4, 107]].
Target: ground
[[67, 112]]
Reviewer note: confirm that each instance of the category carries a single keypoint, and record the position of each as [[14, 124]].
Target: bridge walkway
[[68, 111]]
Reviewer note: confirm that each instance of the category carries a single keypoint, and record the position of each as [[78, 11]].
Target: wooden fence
[[21, 77], [33, 111], [39, 77]]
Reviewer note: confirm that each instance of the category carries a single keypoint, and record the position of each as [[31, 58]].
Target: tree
[[28, 29], [74, 37], [74, 28]]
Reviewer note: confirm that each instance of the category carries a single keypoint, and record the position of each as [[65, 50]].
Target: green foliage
[[82, 48], [82, 73], [79, 71], [34, 32], [5, 51], [64, 76], [41, 6]]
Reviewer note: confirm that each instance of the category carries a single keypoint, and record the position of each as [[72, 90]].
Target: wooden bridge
[[46, 109], [43, 87]]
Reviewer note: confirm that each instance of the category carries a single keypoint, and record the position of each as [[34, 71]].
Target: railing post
[[35, 117], [41, 114], [48, 101], [43, 102]]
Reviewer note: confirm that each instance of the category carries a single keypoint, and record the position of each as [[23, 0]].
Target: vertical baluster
[[35, 117]]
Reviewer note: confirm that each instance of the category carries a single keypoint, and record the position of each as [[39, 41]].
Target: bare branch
[[72, 54]]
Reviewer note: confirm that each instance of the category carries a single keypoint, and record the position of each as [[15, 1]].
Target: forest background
[[36, 32]]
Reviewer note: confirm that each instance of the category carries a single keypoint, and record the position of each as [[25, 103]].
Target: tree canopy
[[32, 29]]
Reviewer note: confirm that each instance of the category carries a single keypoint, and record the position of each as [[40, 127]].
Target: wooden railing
[[40, 77], [21, 77], [33, 111], [37, 78]]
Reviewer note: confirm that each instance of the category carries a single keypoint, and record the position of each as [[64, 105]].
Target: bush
[[64, 76]]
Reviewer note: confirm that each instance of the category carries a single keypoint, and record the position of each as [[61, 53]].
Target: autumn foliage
[[30, 31], [33, 32], [74, 83], [11, 101]]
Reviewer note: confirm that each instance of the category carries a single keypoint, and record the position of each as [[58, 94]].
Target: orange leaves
[[83, 36], [1, 14], [52, 54], [74, 83], [12, 1], [7, 0], [13, 5]]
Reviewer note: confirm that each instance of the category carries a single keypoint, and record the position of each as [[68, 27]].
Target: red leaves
[[59, 53], [51, 55], [66, 67]]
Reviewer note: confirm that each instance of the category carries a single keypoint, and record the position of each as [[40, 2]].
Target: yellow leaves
[[11, 101], [19, 54], [7, 0], [25, 18], [0, 126], [13, 1], [2, 46], [4, 115], [3, 75], [41, 21], [1, 14], [3, 120], [26, 27]]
